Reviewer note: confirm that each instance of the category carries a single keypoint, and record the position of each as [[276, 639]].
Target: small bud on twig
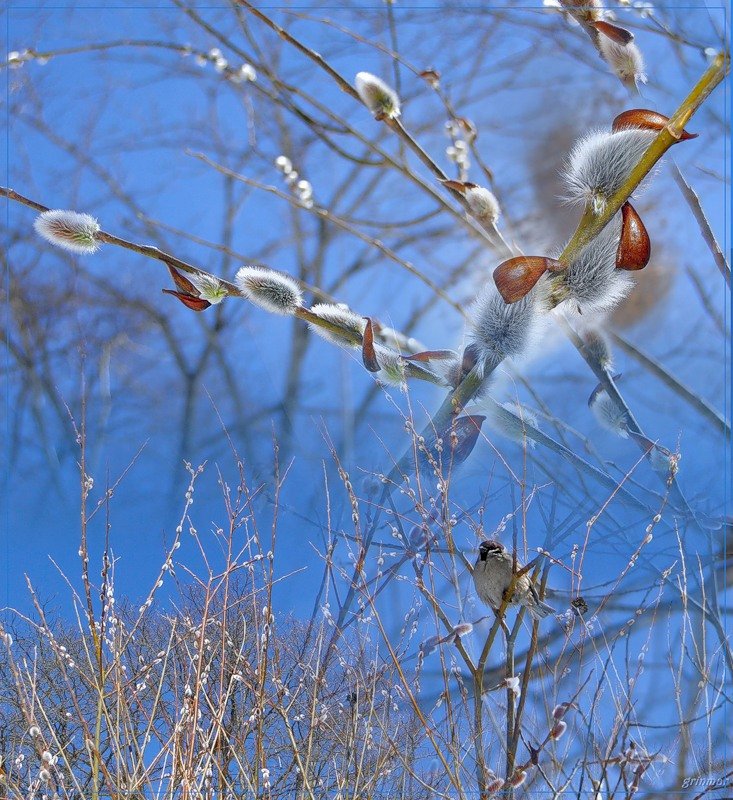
[[635, 248], [558, 729], [599, 164], [515, 277], [209, 287], [379, 98], [518, 778], [498, 330], [645, 119], [615, 32], [483, 204], [561, 710], [432, 77], [338, 315], [511, 420], [591, 278], [598, 347], [189, 300], [368, 353]]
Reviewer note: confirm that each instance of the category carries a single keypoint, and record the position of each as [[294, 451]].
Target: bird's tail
[[540, 609]]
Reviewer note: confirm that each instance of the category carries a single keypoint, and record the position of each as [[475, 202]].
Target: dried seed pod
[[368, 353], [515, 277], [645, 119], [615, 32], [634, 248]]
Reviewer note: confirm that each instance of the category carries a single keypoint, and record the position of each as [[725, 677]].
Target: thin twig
[[707, 232]]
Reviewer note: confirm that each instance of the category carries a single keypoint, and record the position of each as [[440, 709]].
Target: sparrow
[[492, 575]]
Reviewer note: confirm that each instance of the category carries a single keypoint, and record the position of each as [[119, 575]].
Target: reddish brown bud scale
[[368, 353], [644, 118], [183, 284], [614, 32], [188, 300], [635, 247], [459, 186], [431, 355], [515, 277], [431, 76]]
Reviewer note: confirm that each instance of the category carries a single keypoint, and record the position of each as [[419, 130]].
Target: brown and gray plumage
[[492, 575]]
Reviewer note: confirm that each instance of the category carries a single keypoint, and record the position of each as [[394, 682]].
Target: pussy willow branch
[[412, 370], [536, 435], [323, 213], [278, 95], [591, 224], [491, 232]]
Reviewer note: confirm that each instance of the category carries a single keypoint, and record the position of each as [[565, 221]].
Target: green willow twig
[[591, 224]]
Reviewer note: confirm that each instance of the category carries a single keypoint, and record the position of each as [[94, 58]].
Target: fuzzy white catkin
[[598, 346], [625, 60], [339, 315], [379, 98], [483, 203], [511, 420], [498, 330], [270, 290], [209, 287], [608, 414], [392, 365], [600, 162], [591, 279], [68, 229]]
